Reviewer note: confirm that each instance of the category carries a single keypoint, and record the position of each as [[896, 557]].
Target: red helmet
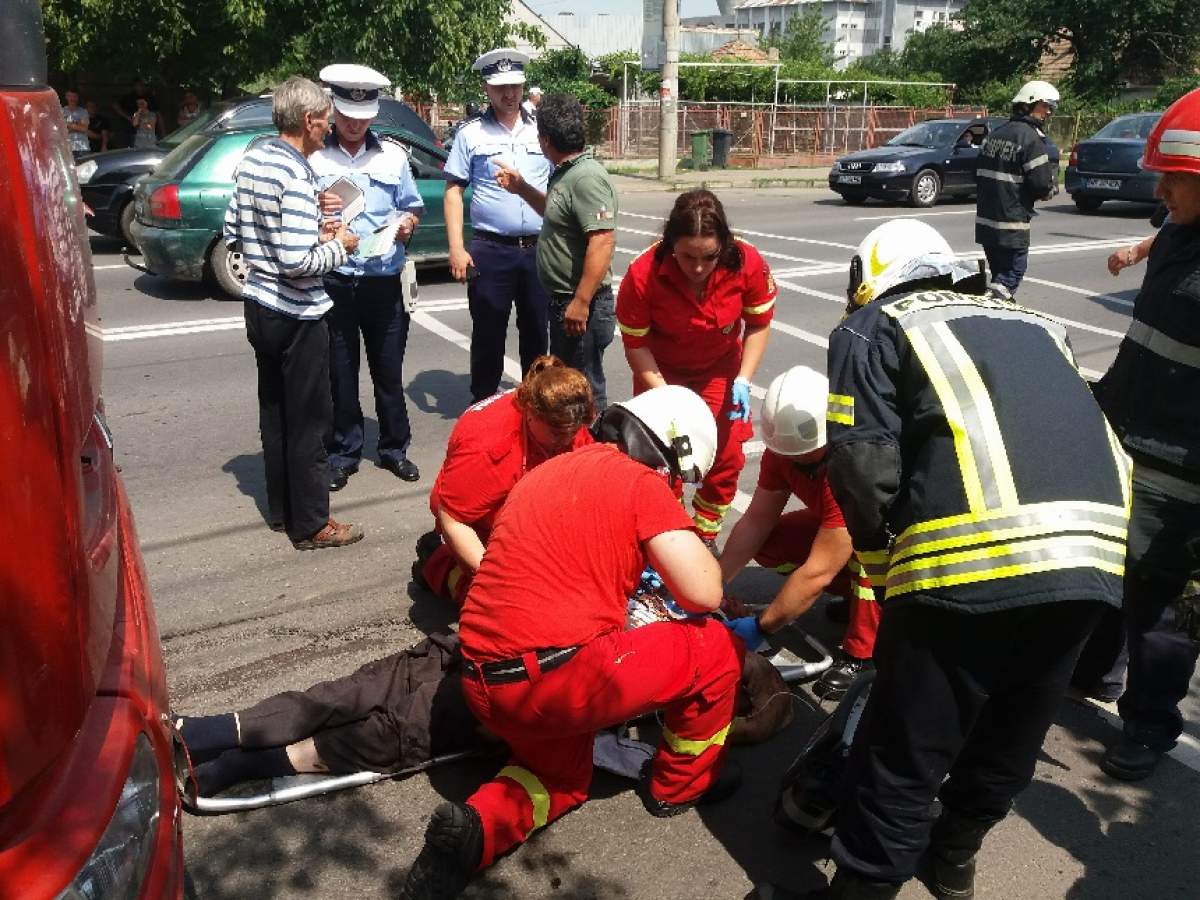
[[1174, 144]]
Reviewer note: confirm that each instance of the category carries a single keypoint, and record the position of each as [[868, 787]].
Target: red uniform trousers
[[690, 670], [785, 550], [446, 576], [712, 500]]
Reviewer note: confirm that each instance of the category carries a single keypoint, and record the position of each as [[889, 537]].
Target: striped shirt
[[275, 217]]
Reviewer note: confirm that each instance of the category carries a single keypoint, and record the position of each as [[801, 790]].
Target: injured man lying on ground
[[405, 711]]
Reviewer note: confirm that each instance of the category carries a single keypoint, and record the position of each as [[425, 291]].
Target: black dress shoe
[[1129, 760], [338, 477], [403, 468], [727, 783], [837, 679]]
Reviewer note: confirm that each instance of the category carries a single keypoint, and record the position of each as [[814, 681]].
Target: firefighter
[[810, 545], [492, 446], [695, 310], [1018, 165], [548, 661], [1150, 395], [957, 424]]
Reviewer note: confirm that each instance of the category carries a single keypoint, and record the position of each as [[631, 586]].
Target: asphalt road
[[243, 615]]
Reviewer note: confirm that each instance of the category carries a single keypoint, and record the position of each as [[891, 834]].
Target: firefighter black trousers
[[971, 695]]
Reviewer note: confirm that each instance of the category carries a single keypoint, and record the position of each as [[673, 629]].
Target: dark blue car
[[1105, 166], [919, 165]]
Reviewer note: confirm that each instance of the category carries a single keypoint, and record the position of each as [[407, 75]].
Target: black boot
[[953, 844], [1129, 760], [426, 545], [452, 851], [725, 786], [836, 680], [846, 885]]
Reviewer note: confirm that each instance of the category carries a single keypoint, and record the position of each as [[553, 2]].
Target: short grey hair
[[293, 99]]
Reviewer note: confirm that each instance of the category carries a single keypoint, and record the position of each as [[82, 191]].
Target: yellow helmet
[[897, 252]]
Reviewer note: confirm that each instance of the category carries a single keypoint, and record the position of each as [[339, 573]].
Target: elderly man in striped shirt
[[275, 218]]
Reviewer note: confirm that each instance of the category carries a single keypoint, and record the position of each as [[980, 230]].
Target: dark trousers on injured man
[[969, 695]]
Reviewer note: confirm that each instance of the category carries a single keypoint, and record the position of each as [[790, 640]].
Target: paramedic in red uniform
[[491, 447], [548, 661], [695, 310], [811, 545]]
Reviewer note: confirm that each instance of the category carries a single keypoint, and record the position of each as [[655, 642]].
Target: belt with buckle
[[509, 671], [512, 240]]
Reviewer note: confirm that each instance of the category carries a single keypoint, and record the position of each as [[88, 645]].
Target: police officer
[[1149, 395], [1018, 164], [500, 266], [366, 291], [956, 422]]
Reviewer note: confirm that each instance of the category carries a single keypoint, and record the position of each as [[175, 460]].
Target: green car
[[180, 206]]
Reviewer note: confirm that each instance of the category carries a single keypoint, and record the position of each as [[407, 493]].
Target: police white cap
[[503, 66], [355, 89]]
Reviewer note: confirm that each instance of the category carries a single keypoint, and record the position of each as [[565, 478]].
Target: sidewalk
[[636, 179]]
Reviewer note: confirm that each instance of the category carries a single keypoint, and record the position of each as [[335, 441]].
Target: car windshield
[[178, 160], [1129, 128], [928, 134], [179, 135]]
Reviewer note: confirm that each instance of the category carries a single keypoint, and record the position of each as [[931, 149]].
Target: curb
[[649, 183]]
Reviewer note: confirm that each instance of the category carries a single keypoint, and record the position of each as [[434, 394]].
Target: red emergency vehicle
[[88, 805]]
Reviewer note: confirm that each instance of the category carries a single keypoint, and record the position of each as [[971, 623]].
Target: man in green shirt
[[575, 247]]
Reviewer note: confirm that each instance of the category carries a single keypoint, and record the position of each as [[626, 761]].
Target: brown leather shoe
[[334, 534]]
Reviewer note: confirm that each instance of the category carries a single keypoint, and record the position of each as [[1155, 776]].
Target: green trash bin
[[700, 149], [722, 142]]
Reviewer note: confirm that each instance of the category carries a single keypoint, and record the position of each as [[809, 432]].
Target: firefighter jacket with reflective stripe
[[1151, 393], [1017, 165], [973, 467]]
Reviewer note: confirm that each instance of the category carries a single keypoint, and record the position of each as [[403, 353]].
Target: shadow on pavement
[[183, 292], [440, 391], [1124, 309]]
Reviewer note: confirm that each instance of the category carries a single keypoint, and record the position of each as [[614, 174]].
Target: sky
[[551, 8]]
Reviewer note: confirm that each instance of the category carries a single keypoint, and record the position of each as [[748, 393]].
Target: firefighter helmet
[[1033, 92], [793, 412], [897, 252], [1174, 144], [682, 430]]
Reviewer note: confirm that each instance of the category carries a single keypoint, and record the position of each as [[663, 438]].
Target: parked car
[[919, 165], [1105, 166], [88, 799], [180, 207], [107, 179]]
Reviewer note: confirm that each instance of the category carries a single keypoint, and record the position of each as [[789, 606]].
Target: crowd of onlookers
[[133, 119]]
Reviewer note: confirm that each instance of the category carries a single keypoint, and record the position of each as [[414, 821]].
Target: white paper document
[[353, 201], [380, 241]]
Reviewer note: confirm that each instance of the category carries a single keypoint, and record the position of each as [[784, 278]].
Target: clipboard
[[353, 200]]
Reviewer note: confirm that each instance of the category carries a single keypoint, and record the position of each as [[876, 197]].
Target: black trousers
[[373, 307], [586, 351], [294, 415], [507, 275], [1164, 536], [393, 713], [968, 695]]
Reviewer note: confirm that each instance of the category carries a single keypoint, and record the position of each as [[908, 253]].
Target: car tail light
[[1073, 159], [164, 202]]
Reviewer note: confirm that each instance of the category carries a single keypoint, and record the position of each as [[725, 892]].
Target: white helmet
[[793, 412], [682, 423], [1032, 92], [896, 252]]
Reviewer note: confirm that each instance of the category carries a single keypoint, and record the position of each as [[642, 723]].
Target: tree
[[803, 39]]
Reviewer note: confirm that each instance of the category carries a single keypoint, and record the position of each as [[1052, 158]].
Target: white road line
[[116, 266], [170, 331], [956, 212], [767, 253], [1081, 291], [512, 368], [160, 326], [806, 336], [823, 295], [766, 234]]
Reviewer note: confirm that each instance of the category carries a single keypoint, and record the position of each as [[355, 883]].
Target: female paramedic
[[695, 310], [491, 447]]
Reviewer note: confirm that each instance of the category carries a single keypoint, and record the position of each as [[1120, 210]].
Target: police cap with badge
[[503, 66], [355, 89]]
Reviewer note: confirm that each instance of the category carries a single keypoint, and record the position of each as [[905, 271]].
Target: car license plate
[[1102, 184], [849, 179]]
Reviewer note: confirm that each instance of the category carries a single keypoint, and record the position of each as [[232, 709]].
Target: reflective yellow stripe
[[954, 418], [719, 508], [686, 747], [1006, 561], [858, 576], [1034, 520], [707, 526], [756, 310], [538, 795], [633, 332], [453, 579], [874, 565], [786, 569], [1124, 467], [840, 409]]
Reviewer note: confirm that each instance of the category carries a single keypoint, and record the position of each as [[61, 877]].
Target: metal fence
[[768, 131]]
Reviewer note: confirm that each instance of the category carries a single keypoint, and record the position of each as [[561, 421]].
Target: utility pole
[[669, 91]]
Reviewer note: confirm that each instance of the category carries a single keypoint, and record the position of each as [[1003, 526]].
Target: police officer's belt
[[513, 240], [507, 671]]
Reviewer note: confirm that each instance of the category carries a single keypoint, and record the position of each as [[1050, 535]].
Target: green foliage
[[802, 39], [1171, 90], [568, 71]]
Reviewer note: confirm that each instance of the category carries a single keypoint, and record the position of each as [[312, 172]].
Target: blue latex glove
[[650, 581], [747, 629], [740, 395]]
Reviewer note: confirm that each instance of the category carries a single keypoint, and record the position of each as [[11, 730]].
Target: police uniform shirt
[[478, 146], [381, 171]]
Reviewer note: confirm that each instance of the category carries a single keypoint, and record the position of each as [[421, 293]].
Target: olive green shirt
[[579, 199]]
